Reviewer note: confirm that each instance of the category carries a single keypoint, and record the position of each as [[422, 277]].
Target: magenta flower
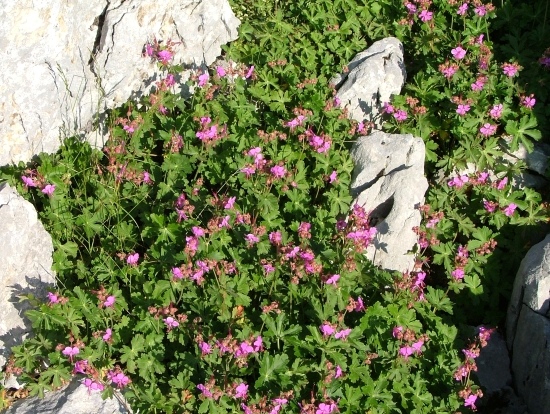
[[417, 346], [396, 331], [478, 85], [176, 271], [508, 211], [80, 367], [332, 280], [425, 15], [248, 170], [225, 222], [28, 181], [148, 50], [400, 115], [258, 343], [242, 390], [488, 129], [458, 52], [528, 102], [249, 73], [250, 238], [171, 322], [278, 171], [109, 302], [49, 189], [108, 334], [326, 408], [53, 298], [132, 259], [128, 128], [118, 378], [332, 177], [462, 109], [326, 329], [360, 305], [164, 56], [462, 9], [220, 71], [70, 352], [275, 237], [470, 401], [230, 202], [480, 10], [198, 231], [448, 72], [338, 372], [490, 206], [147, 178], [458, 273], [268, 268], [496, 111], [343, 334], [458, 182], [205, 348], [509, 69], [205, 391], [388, 108], [502, 183], [203, 79], [406, 351], [92, 385]]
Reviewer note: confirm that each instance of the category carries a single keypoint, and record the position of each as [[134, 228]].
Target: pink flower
[[109, 302], [49, 189], [171, 322], [458, 182], [164, 56], [147, 178], [462, 109], [71, 351], [417, 346], [275, 237], [242, 390], [132, 259], [28, 181], [509, 69], [118, 378], [225, 222], [53, 298], [205, 348], [502, 183], [258, 343], [400, 115], [176, 271], [332, 177], [250, 238], [230, 202], [508, 211], [478, 85], [197, 231], [128, 128], [480, 10], [326, 329], [396, 331], [343, 334], [92, 385], [278, 171], [406, 351], [332, 280], [490, 206], [80, 367], [360, 306], [528, 102], [248, 170], [458, 273], [326, 408], [448, 72], [249, 73], [388, 108], [268, 268], [148, 50], [462, 9], [205, 391], [470, 401], [108, 334], [496, 111], [338, 372], [425, 15], [203, 79], [246, 409], [458, 52], [220, 71], [488, 129]]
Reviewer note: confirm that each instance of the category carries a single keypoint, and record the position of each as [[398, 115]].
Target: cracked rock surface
[[388, 181], [25, 265], [374, 76], [528, 328], [65, 63]]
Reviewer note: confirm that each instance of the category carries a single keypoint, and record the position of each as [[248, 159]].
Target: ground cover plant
[[209, 258]]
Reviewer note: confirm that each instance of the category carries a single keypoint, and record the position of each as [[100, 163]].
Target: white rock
[[389, 182], [73, 399], [25, 265], [61, 66], [374, 76]]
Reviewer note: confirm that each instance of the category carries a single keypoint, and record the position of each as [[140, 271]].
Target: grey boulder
[[374, 76]]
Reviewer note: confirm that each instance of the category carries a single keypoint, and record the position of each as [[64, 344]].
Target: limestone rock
[[64, 63], [374, 76], [388, 181], [531, 286], [73, 399], [25, 265], [531, 360], [493, 365]]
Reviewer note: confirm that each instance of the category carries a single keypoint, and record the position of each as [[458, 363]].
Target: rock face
[[388, 181], [374, 76], [493, 365], [528, 328], [25, 265], [73, 399], [64, 63]]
